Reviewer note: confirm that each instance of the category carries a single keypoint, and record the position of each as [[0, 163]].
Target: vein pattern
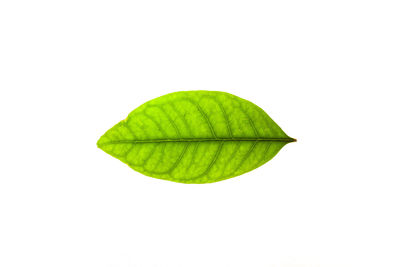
[[195, 137]]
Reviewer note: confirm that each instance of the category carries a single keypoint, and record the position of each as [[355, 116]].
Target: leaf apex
[[100, 142]]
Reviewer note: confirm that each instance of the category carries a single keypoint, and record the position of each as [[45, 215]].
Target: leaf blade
[[195, 137]]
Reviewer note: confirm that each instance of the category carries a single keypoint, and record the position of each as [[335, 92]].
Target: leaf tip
[[100, 142]]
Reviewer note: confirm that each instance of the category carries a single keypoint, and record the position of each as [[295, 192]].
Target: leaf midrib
[[181, 140]]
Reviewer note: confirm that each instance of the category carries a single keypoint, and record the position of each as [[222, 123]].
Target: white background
[[326, 71]]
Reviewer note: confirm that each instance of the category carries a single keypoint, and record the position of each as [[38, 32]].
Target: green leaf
[[195, 137]]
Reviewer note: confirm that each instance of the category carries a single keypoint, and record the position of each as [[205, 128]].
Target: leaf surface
[[195, 137]]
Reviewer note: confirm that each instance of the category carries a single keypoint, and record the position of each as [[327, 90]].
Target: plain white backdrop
[[326, 71]]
